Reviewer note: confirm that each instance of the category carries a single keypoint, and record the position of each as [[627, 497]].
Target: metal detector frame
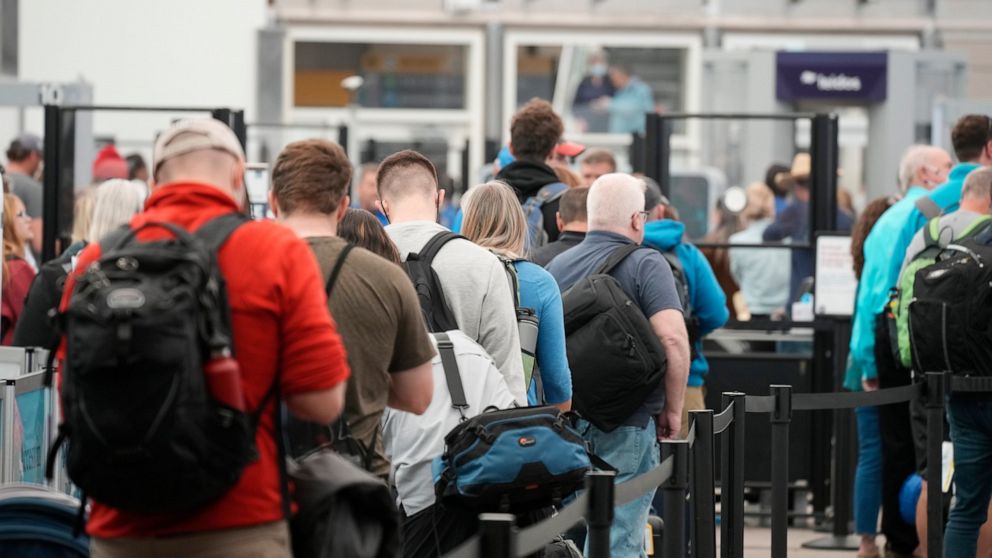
[[830, 333], [60, 143]]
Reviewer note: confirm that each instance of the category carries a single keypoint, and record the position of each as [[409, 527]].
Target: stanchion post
[[599, 515], [8, 457], [704, 522], [497, 536], [673, 543], [732, 480], [936, 391], [781, 417]]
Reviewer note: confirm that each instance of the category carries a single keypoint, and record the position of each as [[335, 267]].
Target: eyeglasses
[[644, 214]]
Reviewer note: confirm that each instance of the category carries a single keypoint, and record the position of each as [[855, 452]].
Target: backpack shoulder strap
[[673, 261], [928, 207], [214, 233], [434, 245], [618, 255], [113, 238], [931, 233], [338, 264], [451, 374], [550, 192], [975, 227], [511, 275]]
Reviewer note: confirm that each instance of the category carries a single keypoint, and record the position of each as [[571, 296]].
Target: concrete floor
[[757, 544]]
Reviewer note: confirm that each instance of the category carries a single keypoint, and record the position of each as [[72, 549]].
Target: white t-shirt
[[412, 442]]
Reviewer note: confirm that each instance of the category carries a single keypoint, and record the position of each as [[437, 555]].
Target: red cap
[[109, 164], [569, 149]]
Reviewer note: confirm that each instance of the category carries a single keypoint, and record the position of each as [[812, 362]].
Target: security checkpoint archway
[[890, 96]]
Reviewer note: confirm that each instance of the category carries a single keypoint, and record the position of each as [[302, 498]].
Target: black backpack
[[950, 314], [145, 433], [438, 316], [616, 359]]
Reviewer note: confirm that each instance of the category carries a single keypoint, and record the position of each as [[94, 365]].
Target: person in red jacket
[[282, 330], [17, 272]]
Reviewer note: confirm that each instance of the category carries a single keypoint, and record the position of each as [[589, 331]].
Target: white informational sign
[[835, 287]]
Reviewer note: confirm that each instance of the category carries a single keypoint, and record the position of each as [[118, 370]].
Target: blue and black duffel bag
[[509, 460]]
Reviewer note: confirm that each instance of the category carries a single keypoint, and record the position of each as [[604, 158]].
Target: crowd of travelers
[[563, 311]]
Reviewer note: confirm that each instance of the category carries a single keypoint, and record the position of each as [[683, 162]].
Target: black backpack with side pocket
[[145, 434], [950, 313], [616, 359], [437, 315]]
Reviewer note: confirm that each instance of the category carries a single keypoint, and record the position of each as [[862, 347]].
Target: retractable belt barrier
[[498, 536]]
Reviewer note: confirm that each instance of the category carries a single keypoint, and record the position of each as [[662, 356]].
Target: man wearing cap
[[24, 157], [282, 332], [793, 223], [534, 134], [706, 307]]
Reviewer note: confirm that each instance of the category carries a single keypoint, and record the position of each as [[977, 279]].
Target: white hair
[[915, 158], [613, 199], [116, 202]]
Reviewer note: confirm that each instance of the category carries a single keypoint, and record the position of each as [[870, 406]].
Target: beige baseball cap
[[194, 134]]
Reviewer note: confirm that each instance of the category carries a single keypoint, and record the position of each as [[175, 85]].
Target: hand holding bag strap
[[451, 375], [618, 255], [928, 207]]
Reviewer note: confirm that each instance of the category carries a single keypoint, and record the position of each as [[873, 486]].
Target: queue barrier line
[[854, 399], [634, 488], [468, 549], [757, 404], [723, 420]]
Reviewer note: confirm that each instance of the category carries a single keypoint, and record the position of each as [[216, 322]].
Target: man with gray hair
[[616, 220], [924, 165]]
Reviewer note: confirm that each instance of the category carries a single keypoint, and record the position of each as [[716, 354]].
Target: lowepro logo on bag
[[526, 441]]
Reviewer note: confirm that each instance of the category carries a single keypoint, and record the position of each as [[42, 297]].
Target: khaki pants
[[270, 540], [695, 400]]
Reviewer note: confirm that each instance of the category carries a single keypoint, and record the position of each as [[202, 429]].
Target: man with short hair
[[572, 221], [596, 163], [24, 158], [616, 220], [371, 299], [472, 278], [282, 333], [922, 169], [706, 300], [534, 134]]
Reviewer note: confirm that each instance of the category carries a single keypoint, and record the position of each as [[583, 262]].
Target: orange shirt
[[281, 322]]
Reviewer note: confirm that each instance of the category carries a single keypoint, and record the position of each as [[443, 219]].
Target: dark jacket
[[543, 255], [35, 328], [527, 178]]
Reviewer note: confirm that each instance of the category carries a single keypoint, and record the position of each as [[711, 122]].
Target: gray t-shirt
[[477, 292], [952, 226], [644, 275], [29, 190]]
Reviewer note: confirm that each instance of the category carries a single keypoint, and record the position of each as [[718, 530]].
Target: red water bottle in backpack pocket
[[223, 376]]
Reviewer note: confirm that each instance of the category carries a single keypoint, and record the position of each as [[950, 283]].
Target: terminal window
[[396, 75]]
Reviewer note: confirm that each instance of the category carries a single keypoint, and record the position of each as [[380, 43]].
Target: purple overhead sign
[[856, 76]]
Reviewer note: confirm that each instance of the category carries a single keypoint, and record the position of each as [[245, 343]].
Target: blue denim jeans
[[971, 434], [633, 451], [868, 476]]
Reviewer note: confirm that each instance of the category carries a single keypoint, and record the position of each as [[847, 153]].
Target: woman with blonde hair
[[494, 219], [17, 272], [99, 210]]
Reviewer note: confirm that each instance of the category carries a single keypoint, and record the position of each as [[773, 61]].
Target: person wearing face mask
[[596, 85]]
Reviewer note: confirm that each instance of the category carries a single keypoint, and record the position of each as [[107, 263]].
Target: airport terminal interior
[[810, 278]]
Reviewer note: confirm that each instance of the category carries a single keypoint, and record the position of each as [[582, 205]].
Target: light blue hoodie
[[709, 304]]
